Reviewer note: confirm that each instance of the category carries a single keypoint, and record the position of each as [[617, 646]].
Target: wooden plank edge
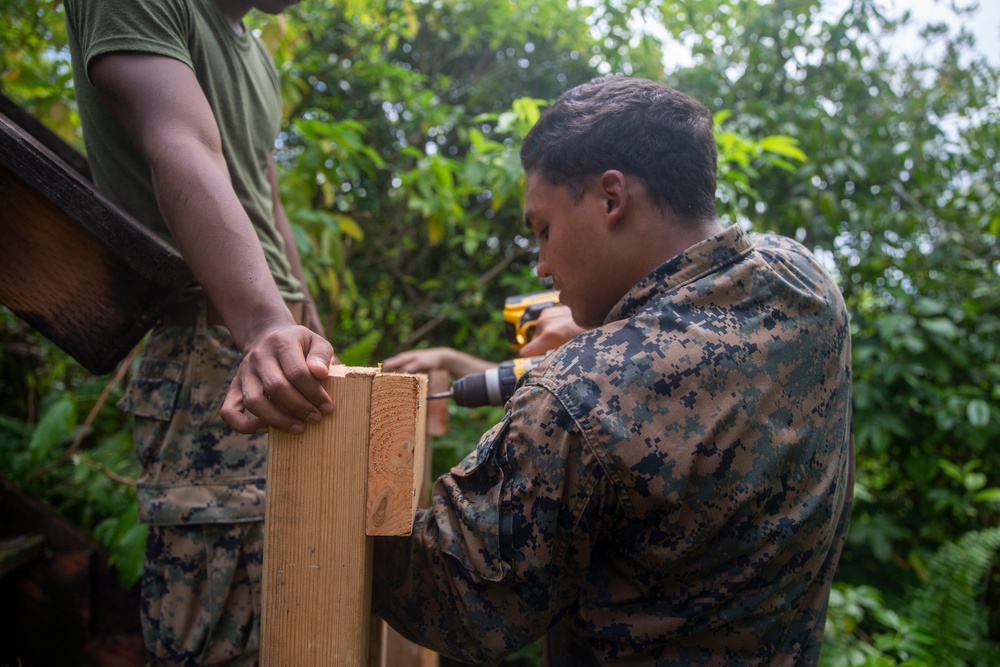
[[78, 199], [397, 452]]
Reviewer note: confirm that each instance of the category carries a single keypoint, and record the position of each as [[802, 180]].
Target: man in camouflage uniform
[[180, 108], [672, 486]]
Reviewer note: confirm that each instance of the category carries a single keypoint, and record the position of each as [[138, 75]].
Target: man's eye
[[543, 233]]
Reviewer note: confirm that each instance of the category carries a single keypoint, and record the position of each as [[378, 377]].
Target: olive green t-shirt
[[238, 78]]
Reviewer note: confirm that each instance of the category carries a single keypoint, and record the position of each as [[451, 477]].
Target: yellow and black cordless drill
[[495, 385], [520, 315]]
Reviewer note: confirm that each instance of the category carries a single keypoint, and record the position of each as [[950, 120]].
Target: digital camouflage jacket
[[672, 488]]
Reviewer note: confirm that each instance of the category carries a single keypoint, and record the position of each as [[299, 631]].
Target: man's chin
[[585, 317]]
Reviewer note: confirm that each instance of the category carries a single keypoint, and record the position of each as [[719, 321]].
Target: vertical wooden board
[[396, 650], [438, 382], [396, 455], [423, 465], [317, 559], [399, 651], [378, 635], [429, 658]]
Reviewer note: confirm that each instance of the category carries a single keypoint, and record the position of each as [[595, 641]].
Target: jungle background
[[399, 170]]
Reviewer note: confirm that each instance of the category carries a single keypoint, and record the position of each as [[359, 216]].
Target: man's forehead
[[531, 180], [538, 190], [532, 199]]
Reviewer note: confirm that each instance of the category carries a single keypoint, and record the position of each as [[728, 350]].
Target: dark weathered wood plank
[[42, 171], [74, 266], [19, 116]]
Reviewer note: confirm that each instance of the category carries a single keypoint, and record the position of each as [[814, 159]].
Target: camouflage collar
[[711, 255]]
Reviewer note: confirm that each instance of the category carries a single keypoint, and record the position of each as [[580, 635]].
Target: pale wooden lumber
[[316, 602], [394, 649], [397, 470], [439, 381], [396, 454]]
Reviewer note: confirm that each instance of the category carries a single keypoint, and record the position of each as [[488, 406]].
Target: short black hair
[[637, 126]]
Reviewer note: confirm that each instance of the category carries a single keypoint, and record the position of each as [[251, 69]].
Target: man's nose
[[543, 264]]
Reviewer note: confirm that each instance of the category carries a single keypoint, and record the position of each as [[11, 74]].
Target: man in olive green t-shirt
[[180, 108]]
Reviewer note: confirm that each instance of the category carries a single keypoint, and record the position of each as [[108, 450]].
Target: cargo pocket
[[474, 489], [213, 363], [151, 397]]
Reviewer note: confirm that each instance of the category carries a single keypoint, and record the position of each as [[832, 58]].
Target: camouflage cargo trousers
[[201, 594], [201, 491]]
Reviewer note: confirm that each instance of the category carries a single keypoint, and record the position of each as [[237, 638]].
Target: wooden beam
[[316, 601], [439, 381], [75, 266], [77, 198], [395, 472], [69, 585], [21, 117], [394, 649]]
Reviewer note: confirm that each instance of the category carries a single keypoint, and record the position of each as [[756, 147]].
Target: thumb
[[318, 357], [535, 346]]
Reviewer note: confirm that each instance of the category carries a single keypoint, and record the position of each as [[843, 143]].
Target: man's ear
[[614, 191]]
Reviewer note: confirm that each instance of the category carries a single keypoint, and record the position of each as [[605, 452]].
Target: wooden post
[[395, 471], [316, 600], [437, 412], [395, 650]]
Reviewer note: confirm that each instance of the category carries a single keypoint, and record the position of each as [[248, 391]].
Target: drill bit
[[444, 394]]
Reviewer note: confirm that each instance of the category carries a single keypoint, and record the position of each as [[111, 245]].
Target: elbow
[[442, 609], [170, 151]]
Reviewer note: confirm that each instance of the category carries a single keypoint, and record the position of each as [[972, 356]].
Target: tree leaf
[[978, 412], [55, 426]]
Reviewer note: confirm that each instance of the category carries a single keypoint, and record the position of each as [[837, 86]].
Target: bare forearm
[[277, 383], [457, 363], [216, 237], [284, 225], [460, 363], [160, 103]]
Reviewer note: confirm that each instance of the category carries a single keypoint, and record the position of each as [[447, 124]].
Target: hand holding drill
[[535, 323]]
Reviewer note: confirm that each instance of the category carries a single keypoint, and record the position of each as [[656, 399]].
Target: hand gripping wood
[[329, 489]]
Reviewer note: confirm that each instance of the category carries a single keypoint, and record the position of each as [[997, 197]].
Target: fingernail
[[314, 417], [297, 428], [326, 408]]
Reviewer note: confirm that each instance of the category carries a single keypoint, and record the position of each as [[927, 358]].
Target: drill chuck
[[494, 386]]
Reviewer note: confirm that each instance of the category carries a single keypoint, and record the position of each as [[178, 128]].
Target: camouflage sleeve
[[504, 549]]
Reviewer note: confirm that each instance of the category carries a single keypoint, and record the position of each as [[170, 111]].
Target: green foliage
[[950, 604], [894, 640], [410, 222], [46, 399], [399, 170], [944, 622], [30, 69]]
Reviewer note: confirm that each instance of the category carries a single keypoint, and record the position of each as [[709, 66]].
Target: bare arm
[[160, 103], [458, 364], [291, 250]]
